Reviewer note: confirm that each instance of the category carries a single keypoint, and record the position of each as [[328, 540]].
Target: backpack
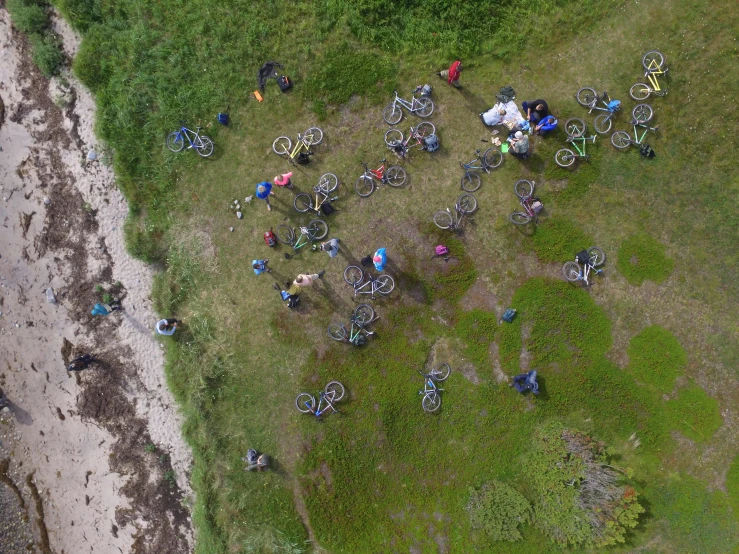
[[431, 143], [367, 260], [269, 238], [425, 91], [508, 316], [536, 206], [284, 83], [442, 250], [646, 151], [327, 209], [583, 257], [223, 118], [303, 158], [292, 301]]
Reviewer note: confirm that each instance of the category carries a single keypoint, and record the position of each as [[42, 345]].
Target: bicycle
[[532, 206], [491, 159], [283, 146], [589, 98], [431, 400], [590, 260], [642, 114], [653, 62], [176, 141], [575, 129], [355, 277], [394, 176], [398, 143], [357, 334], [332, 392], [464, 207], [393, 112], [303, 202], [315, 230]]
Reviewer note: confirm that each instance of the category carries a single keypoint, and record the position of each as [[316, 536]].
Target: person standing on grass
[[452, 74], [259, 266], [167, 327], [264, 191], [331, 247], [380, 259], [536, 110], [307, 279]]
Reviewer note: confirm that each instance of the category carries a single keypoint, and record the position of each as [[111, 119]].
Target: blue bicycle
[[431, 399], [306, 402], [203, 145], [589, 98]]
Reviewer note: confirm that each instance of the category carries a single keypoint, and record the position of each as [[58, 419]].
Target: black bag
[[646, 151], [303, 158], [284, 83], [293, 300], [367, 260], [327, 209], [583, 257]]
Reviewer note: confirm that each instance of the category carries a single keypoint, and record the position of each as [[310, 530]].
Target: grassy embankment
[[635, 358]]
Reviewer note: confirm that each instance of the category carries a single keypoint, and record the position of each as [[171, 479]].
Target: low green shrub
[[28, 16], [557, 239], [732, 486], [46, 52], [656, 358], [477, 330], [498, 509], [695, 414], [641, 258]]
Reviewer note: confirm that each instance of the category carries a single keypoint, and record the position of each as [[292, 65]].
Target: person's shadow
[[22, 416]]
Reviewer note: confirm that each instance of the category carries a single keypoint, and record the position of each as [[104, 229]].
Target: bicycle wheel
[[431, 402], [519, 218], [640, 91], [175, 141], [426, 129], [313, 136], [364, 313], [564, 157], [471, 182], [603, 123], [282, 145], [337, 331], [328, 182], [204, 146], [425, 107], [575, 127], [467, 204], [492, 157], [392, 114], [335, 391], [385, 284], [621, 139], [305, 403], [596, 255], [441, 372], [571, 271], [317, 229], [303, 202], [587, 97], [395, 175], [393, 137], [353, 275], [642, 113], [443, 220], [523, 188], [653, 60], [364, 186], [285, 234]]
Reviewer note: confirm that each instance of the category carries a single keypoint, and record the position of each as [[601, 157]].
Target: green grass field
[[644, 360]]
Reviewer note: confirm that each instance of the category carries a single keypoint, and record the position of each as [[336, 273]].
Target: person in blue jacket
[[264, 191], [259, 266], [546, 125], [380, 259]]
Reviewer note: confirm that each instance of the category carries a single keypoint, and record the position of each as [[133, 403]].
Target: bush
[[498, 510], [695, 414], [81, 14], [641, 258], [46, 53], [656, 358], [28, 17], [557, 240]]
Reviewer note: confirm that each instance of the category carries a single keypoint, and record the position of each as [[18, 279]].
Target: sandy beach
[[92, 461]]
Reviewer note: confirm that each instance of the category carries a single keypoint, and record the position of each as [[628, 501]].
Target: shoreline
[[103, 446]]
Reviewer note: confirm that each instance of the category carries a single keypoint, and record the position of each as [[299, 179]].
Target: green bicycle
[[642, 114], [575, 129], [315, 230]]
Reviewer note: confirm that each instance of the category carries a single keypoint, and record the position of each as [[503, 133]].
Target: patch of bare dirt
[[479, 296]]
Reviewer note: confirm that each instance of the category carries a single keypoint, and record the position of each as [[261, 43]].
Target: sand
[[81, 437]]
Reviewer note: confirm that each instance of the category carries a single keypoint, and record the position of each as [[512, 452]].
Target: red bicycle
[[532, 206], [394, 176]]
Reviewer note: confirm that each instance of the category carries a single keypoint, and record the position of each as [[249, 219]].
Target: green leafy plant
[[47, 53], [107, 298], [656, 358], [641, 258], [99, 288], [150, 447], [498, 509], [732, 486], [695, 414], [28, 16]]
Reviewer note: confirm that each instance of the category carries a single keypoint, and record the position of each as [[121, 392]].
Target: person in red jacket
[[452, 74]]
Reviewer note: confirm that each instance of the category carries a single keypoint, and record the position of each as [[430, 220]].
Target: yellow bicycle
[[654, 66], [283, 146]]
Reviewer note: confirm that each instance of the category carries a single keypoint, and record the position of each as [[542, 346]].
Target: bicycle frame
[[329, 405], [429, 385], [300, 145], [378, 173], [303, 239], [480, 161], [410, 106], [372, 282], [585, 270]]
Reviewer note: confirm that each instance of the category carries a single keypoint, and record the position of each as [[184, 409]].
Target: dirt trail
[[78, 444]]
